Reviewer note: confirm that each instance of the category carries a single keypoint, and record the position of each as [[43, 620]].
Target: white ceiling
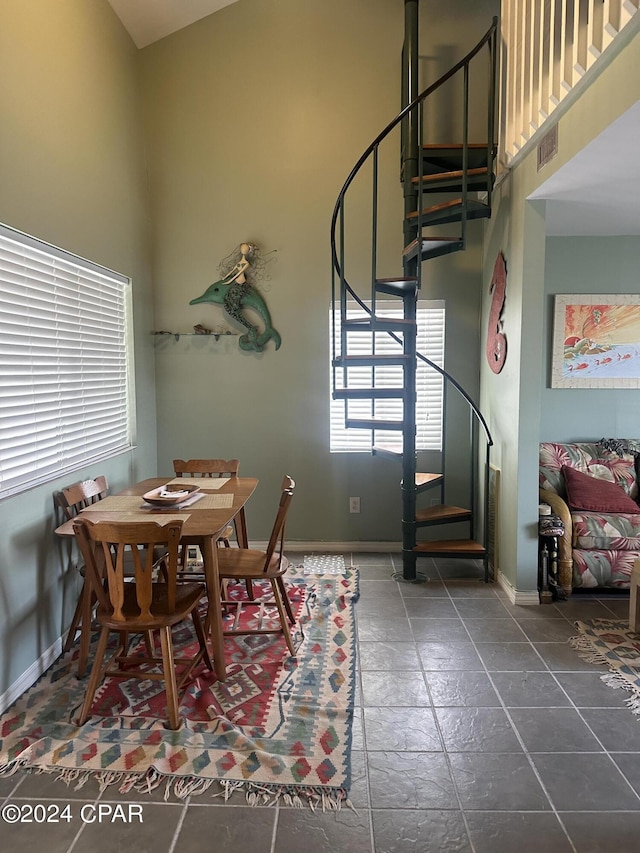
[[597, 193], [150, 20]]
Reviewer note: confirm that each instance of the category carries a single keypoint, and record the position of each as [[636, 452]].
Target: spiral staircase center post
[[410, 170]]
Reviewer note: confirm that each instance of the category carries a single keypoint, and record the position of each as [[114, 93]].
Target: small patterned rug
[[613, 644], [278, 727]]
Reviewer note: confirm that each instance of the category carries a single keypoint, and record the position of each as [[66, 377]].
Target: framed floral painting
[[596, 341]]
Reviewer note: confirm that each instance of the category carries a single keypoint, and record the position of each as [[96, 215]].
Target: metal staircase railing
[[417, 248]]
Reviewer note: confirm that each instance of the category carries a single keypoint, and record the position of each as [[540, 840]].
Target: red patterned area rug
[[278, 727]]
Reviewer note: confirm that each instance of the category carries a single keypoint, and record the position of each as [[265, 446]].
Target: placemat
[[115, 503], [215, 502], [149, 514], [207, 484]]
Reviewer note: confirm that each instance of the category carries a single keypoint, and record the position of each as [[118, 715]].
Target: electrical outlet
[[354, 504]]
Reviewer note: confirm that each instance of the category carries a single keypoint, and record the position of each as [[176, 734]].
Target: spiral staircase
[[463, 174]]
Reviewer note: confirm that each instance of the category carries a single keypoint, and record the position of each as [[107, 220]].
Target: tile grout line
[[178, 830], [508, 716]]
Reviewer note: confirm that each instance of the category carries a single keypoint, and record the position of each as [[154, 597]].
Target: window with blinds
[[430, 342], [64, 362]]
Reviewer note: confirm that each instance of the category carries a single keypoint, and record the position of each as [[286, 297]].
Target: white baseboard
[[31, 675], [338, 547], [517, 596]]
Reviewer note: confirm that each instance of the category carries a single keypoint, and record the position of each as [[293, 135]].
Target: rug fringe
[[296, 797], [12, 767], [619, 682], [585, 650]]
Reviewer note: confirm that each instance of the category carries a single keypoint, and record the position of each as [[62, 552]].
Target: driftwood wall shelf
[[198, 332]]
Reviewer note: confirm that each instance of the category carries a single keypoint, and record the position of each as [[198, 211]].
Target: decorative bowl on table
[[170, 495]]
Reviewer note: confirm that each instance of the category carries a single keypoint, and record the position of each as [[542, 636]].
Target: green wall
[[587, 265], [520, 407], [254, 117], [72, 174]]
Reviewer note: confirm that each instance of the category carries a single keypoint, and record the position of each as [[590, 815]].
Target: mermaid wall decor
[[236, 291]]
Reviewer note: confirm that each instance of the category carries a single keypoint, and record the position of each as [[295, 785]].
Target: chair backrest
[[206, 467], [276, 540], [75, 498], [110, 542]]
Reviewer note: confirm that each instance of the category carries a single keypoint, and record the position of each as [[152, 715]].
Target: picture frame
[[596, 341]]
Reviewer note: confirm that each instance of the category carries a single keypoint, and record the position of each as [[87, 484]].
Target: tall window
[[64, 362], [430, 342]]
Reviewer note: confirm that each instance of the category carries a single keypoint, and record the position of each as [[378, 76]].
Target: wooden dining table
[[203, 523]]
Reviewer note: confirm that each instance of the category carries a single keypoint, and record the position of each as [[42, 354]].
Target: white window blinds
[[64, 362], [430, 342]]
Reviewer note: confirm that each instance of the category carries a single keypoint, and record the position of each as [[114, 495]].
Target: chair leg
[[86, 598], [124, 645], [95, 677], [148, 642], [75, 622], [283, 619], [170, 684], [285, 599], [197, 624], [240, 524]]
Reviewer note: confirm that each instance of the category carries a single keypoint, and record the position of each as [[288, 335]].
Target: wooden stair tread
[[433, 241], [427, 479], [375, 324], [451, 548], [447, 205], [380, 449], [449, 176], [429, 247], [368, 393], [405, 287], [442, 512], [455, 146], [369, 360], [372, 423]]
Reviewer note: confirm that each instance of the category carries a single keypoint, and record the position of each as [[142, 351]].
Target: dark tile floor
[[477, 728]]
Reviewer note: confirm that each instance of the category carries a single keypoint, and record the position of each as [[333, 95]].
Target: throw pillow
[[595, 495]]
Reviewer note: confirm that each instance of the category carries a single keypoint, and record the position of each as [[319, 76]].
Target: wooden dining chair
[[69, 502], [214, 468], [248, 564], [142, 605]]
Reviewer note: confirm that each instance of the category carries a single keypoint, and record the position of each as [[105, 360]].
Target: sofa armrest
[[565, 543]]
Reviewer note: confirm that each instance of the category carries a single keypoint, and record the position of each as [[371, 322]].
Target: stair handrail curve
[[490, 37]]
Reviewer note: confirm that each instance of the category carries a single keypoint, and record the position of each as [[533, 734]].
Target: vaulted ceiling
[[150, 20], [594, 194]]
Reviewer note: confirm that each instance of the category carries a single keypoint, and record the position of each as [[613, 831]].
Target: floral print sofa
[[593, 488]]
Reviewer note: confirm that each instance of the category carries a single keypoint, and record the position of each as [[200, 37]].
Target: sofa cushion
[[603, 531], [589, 457], [595, 494], [592, 569]]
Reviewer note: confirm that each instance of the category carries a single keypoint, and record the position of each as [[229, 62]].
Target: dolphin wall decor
[[237, 295]]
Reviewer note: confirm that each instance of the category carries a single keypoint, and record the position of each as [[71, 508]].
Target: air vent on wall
[[548, 147]]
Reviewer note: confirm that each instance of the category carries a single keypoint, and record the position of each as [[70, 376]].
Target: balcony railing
[[548, 47]]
